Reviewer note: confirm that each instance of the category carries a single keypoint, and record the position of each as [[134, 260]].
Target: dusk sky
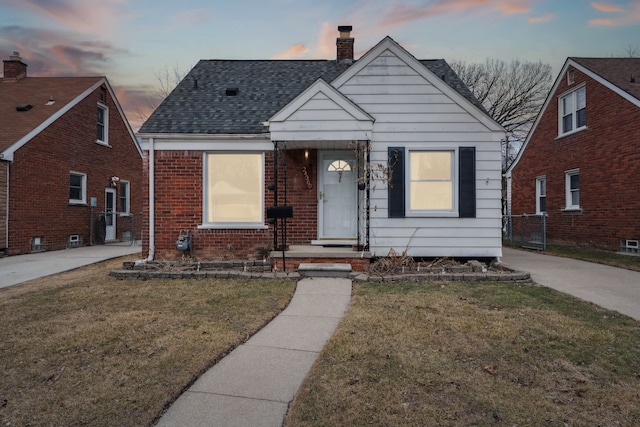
[[130, 41]]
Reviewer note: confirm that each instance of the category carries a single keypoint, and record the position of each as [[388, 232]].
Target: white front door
[[337, 195], [110, 213]]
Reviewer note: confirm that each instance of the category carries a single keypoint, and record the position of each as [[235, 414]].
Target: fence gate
[[526, 231]]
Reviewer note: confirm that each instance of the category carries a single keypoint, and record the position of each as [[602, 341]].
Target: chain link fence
[[526, 231]]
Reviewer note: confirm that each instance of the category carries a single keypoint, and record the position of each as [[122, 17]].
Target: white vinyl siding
[[410, 111]]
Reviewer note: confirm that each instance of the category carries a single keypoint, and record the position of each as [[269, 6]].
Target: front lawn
[[461, 354], [83, 348]]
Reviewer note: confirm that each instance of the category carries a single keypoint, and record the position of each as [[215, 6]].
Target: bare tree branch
[[512, 93]]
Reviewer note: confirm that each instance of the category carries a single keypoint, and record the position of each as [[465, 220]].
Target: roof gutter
[[152, 212]]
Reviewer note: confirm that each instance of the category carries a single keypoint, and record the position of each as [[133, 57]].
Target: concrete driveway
[[20, 268], [609, 287]]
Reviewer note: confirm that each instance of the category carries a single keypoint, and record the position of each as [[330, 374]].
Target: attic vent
[[232, 91], [24, 107]]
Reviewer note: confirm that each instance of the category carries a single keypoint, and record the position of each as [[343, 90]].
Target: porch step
[[324, 270]]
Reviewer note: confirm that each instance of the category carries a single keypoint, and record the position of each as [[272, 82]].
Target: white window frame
[[569, 191], [83, 190], [453, 212], [539, 194], [205, 196], [105, 125], [127, 196], [571, 95]]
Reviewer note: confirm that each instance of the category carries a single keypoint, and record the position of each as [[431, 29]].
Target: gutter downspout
[[6, 225], [152, 233]]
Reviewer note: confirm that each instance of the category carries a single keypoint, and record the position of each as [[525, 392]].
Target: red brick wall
[[608, 156], [39, 177], [178, 206]]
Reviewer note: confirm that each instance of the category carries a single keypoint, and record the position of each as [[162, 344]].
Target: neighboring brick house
[[580, 163], [70, 166], [384, 153]]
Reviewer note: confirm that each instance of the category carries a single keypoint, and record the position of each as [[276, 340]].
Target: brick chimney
[[344, 45], [14, 68]]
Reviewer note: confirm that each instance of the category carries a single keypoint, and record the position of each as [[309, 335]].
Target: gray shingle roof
[[264, 88]]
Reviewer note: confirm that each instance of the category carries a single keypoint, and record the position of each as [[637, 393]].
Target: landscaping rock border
[[256, 270]]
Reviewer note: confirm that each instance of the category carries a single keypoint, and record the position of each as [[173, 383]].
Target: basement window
[[232, 91]]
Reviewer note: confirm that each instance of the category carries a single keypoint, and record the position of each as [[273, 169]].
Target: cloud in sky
[[77, 15], [53, 53], [402, 13], [298, 50], [549, 16], [606, 7], [617, 15]]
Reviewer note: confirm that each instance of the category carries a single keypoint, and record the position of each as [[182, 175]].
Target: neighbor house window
[[124, 197], [572, 184], [77, 188], [234, 187], [103, 124], [572, 111], [541, 195], [431, 181]]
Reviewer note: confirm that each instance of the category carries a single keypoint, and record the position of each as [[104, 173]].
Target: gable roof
[[302, 116], [18, 127], [264, 88], [437, 72], [613, 73]]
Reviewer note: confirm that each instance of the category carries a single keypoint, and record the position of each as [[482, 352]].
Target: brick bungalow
[[70, 166], [580, 163], [382, 154]]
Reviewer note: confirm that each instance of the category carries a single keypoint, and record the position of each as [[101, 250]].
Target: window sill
[[432, 215], [571, 210], [104, 144], [573, 132], [232, 227], [124, 214], [77, 203]]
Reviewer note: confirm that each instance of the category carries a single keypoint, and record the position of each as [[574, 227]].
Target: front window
[[103, 124], [234, 187], [124, 196], [573, 111], [431, 181], [77, 188], [572, 184], [541, 195]]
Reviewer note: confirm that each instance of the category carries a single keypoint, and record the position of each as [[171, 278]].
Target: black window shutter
[[467, 182], [396, 182]]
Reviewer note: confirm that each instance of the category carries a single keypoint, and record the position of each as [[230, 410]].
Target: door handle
[[321, 194]]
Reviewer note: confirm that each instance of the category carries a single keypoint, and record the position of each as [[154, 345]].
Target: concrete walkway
[[21, 268], [609, 287], [255, 383]]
